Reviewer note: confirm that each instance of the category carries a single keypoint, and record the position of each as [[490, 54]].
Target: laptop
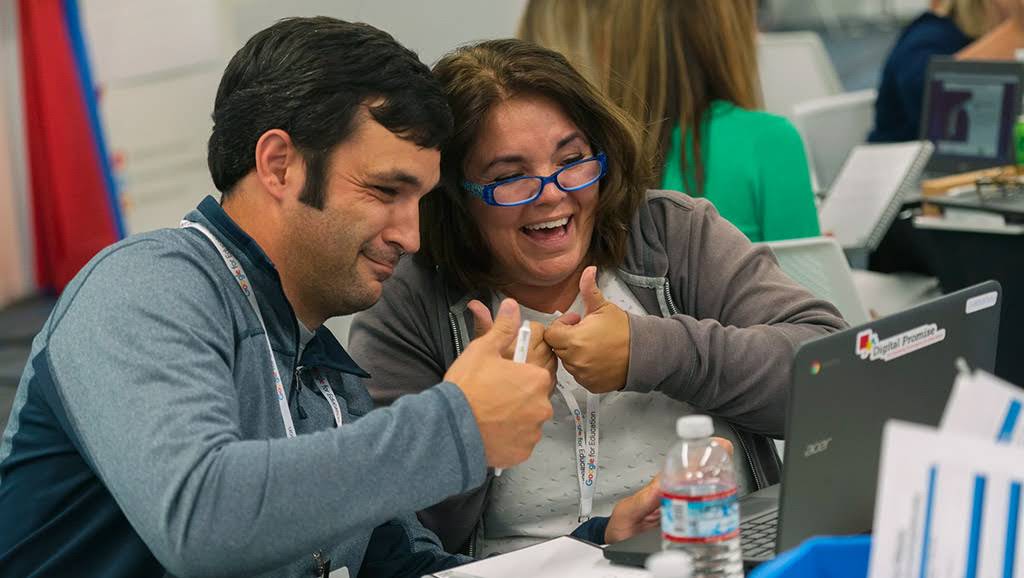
[[969, 111], [845, 387]]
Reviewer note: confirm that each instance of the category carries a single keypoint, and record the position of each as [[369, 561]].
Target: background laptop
[[968, 113], [840, 398]]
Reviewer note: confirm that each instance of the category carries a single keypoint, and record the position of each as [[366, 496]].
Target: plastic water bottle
[[699, 511], [670, 564]]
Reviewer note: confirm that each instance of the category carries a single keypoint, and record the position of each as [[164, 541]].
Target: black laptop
[[968, 113], [845, 387]]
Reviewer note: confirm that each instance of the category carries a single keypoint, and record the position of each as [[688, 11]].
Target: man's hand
[[594, 349], [539, 352], [635, 514], [509, 400]]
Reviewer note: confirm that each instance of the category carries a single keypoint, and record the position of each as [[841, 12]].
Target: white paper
[[556, 558], [985, 406], [948, 506], [867, 188]]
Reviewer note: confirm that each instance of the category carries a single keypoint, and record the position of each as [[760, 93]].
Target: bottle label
[[701, 519]]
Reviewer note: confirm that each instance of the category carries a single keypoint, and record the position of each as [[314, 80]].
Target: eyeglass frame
[[486, 192]]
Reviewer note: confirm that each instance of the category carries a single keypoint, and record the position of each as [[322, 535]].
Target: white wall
[[158, 63], [795, 13], [431, 28]]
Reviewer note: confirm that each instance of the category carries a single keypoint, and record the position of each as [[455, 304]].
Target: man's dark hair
[[309, 77]]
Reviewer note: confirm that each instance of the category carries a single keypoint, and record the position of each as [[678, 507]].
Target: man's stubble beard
[[329, 270]]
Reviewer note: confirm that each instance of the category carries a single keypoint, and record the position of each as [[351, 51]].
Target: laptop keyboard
[[757, 536]]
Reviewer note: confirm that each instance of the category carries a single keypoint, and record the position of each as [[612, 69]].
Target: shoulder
[[661, 226], [672, 208], [160, 271], [756, 126], [157, 256], [674, 232], [932, 34]]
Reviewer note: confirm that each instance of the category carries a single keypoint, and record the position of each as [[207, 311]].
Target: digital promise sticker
[[869, 346]]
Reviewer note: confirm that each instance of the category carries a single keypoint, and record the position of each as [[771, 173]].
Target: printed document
[[948, 505]]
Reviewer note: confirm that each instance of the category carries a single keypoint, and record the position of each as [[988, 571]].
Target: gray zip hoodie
[[146, 436], [723, 323]]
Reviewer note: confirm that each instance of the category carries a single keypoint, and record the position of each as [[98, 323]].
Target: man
[[184, 412]]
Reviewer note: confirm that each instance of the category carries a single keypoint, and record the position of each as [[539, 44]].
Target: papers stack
[[949, 499]]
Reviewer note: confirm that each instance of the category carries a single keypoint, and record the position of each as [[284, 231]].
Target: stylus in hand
[[522, 347]]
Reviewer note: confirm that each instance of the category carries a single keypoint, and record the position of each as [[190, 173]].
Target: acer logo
[[817, 447]]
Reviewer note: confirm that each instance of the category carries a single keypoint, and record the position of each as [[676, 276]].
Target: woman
[[576, 28], [670, 310], [688, 70], [949, 28]]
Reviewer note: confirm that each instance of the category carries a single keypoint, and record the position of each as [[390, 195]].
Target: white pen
[[522, 348]]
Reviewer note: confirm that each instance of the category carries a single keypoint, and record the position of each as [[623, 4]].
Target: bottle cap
[[670, 564], [694, 427]]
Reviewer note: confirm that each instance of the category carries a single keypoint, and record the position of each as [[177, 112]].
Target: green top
[[755, 173]]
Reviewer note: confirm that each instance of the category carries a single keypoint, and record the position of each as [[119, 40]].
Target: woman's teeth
[[548, 224]]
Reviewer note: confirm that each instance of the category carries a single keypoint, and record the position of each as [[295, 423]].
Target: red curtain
[[72, 212]]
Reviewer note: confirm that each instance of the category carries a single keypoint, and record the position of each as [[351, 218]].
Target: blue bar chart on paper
[[949, 499]]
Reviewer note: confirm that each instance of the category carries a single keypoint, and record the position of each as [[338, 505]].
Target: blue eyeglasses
[[525, 189]]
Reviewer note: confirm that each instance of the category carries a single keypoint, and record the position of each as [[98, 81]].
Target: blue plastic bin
[[825, 557]]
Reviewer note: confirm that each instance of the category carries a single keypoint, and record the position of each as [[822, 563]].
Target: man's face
[[341, 254]]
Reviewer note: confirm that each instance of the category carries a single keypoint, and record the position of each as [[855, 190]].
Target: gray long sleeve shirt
[[146, 436]]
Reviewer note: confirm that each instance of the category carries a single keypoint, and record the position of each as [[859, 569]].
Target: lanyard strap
[[235, 267], [325, 388], [587, 429]]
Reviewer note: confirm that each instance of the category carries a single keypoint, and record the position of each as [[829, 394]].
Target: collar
[[323, 350], [230, 232]]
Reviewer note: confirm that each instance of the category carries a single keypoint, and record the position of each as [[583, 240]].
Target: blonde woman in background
[[688, 70], [578, 29]]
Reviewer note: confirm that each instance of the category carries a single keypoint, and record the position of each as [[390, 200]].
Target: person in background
[[668, 308], [687, 69], [967, 29], [578, 29]]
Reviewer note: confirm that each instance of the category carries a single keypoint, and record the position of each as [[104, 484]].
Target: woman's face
[[544, 242]]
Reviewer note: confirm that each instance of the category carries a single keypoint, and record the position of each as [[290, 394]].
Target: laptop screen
[[971, 114]]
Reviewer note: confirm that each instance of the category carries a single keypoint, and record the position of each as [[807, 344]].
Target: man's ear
[[279, 166]]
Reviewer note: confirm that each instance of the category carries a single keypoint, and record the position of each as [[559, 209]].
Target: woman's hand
[[635, 514], [641, 511], [539, 353], [594, 349]]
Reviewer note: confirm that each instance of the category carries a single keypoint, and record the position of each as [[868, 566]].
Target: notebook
[[866, 196]]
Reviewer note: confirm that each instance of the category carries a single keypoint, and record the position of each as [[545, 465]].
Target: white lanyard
[[243, 283], [325, 388], [587, 428]]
